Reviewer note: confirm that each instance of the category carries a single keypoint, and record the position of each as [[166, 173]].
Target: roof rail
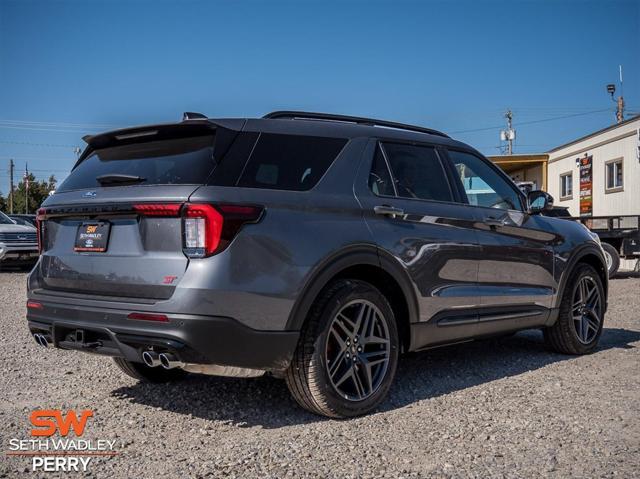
[[306, 115]]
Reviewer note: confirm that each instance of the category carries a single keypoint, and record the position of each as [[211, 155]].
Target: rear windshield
[[181, 161]]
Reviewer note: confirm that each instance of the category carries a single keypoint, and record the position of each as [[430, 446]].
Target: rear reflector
[[158, 209], [34, 305], [148, 317]]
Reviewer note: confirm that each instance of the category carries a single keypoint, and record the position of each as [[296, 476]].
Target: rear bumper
[[22, 252], [194, 339]]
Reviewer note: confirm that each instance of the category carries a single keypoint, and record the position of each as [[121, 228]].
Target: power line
[[531, 122], [53, 130], [56, 124], [28, 143]]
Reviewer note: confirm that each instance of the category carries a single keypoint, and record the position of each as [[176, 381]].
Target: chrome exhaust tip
[[41, 340], [151, 359], [169, 361]]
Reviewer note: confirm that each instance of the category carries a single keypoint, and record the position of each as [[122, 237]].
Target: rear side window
[[380, 180], [417, 172], [288, 162], [174, 161]]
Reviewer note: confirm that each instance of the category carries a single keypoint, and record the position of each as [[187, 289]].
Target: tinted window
[[379, 179], [176, 161], [482, 184], [417, 172], [287, 162]]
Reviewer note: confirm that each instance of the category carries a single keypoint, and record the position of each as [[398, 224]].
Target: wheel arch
[[592, 256], [365, 263]]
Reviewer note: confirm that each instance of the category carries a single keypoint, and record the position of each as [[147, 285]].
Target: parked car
[[313, 247], [25, 220], [18, 243]]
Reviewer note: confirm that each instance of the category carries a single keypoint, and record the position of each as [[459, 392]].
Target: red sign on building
[[586, 185]]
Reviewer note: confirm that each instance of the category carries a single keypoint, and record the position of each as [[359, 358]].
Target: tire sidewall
[[567, 318], [356, 290], [615, 258]]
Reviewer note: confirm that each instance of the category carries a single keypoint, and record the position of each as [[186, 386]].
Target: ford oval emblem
[[90, 194]]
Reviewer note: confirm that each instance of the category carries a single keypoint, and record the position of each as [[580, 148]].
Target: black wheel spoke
[[586, 310], [358, 350]]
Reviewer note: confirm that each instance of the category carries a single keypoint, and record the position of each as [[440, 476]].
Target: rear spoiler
[[227, 131]]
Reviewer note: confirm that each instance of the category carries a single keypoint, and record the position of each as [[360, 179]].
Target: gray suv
[[312, 247]]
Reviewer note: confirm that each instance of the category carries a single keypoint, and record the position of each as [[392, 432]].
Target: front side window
[[614, 175], [566, 185], [417, 172], [289, 162], [482, 184]]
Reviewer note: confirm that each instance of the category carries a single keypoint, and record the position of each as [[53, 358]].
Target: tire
[[612, 257], [568, 335], [144, 373], [308, 377]]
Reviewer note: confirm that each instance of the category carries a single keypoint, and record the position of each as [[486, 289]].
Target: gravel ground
[[494, 408]]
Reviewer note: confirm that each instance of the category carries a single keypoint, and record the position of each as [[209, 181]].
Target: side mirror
[[539, 201]]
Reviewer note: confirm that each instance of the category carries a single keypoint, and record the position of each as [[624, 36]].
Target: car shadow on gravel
[[266, 401]]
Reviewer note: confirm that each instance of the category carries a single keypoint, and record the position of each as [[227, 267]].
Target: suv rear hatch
[[115, 227]]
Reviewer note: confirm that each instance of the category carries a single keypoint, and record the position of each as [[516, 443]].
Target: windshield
[[166, 162], [5, 220]]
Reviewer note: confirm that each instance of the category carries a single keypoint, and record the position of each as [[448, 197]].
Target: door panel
[[435, 242], [515, 273]]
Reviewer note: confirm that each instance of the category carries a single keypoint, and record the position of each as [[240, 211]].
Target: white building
[[609, 163]]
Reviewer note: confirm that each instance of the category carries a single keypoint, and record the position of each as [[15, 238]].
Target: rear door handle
[[386, 210], [493, 222]]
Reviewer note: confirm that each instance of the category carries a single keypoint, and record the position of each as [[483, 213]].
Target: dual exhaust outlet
[[41, 339], [166, 360]]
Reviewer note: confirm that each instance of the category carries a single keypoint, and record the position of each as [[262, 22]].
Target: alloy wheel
[[587, 310], [358, 350]]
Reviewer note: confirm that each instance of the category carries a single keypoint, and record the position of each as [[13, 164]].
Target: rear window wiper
[[113, 178]]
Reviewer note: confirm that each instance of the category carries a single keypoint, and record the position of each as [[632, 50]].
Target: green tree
[[3, 203], [38, 192]]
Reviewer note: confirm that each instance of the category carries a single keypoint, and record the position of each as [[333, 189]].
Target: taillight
[[202, 230], [158, 209], [40, 228], [208, 229]]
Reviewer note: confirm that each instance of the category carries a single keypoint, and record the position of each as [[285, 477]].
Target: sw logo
[[91, 229], [50, 450], [48, 427]]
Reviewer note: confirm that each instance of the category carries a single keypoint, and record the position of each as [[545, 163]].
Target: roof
[[596, 133], [302, 123]]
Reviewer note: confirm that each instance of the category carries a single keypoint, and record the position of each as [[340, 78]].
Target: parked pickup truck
[[18, 243], [619, 235]]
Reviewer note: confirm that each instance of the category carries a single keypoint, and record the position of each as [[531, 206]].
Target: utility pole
[[611, 89], [26, 189], [509, 134], [620, 109], [11, 167]]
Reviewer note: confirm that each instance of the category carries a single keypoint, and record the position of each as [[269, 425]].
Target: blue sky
[[68, 68]]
